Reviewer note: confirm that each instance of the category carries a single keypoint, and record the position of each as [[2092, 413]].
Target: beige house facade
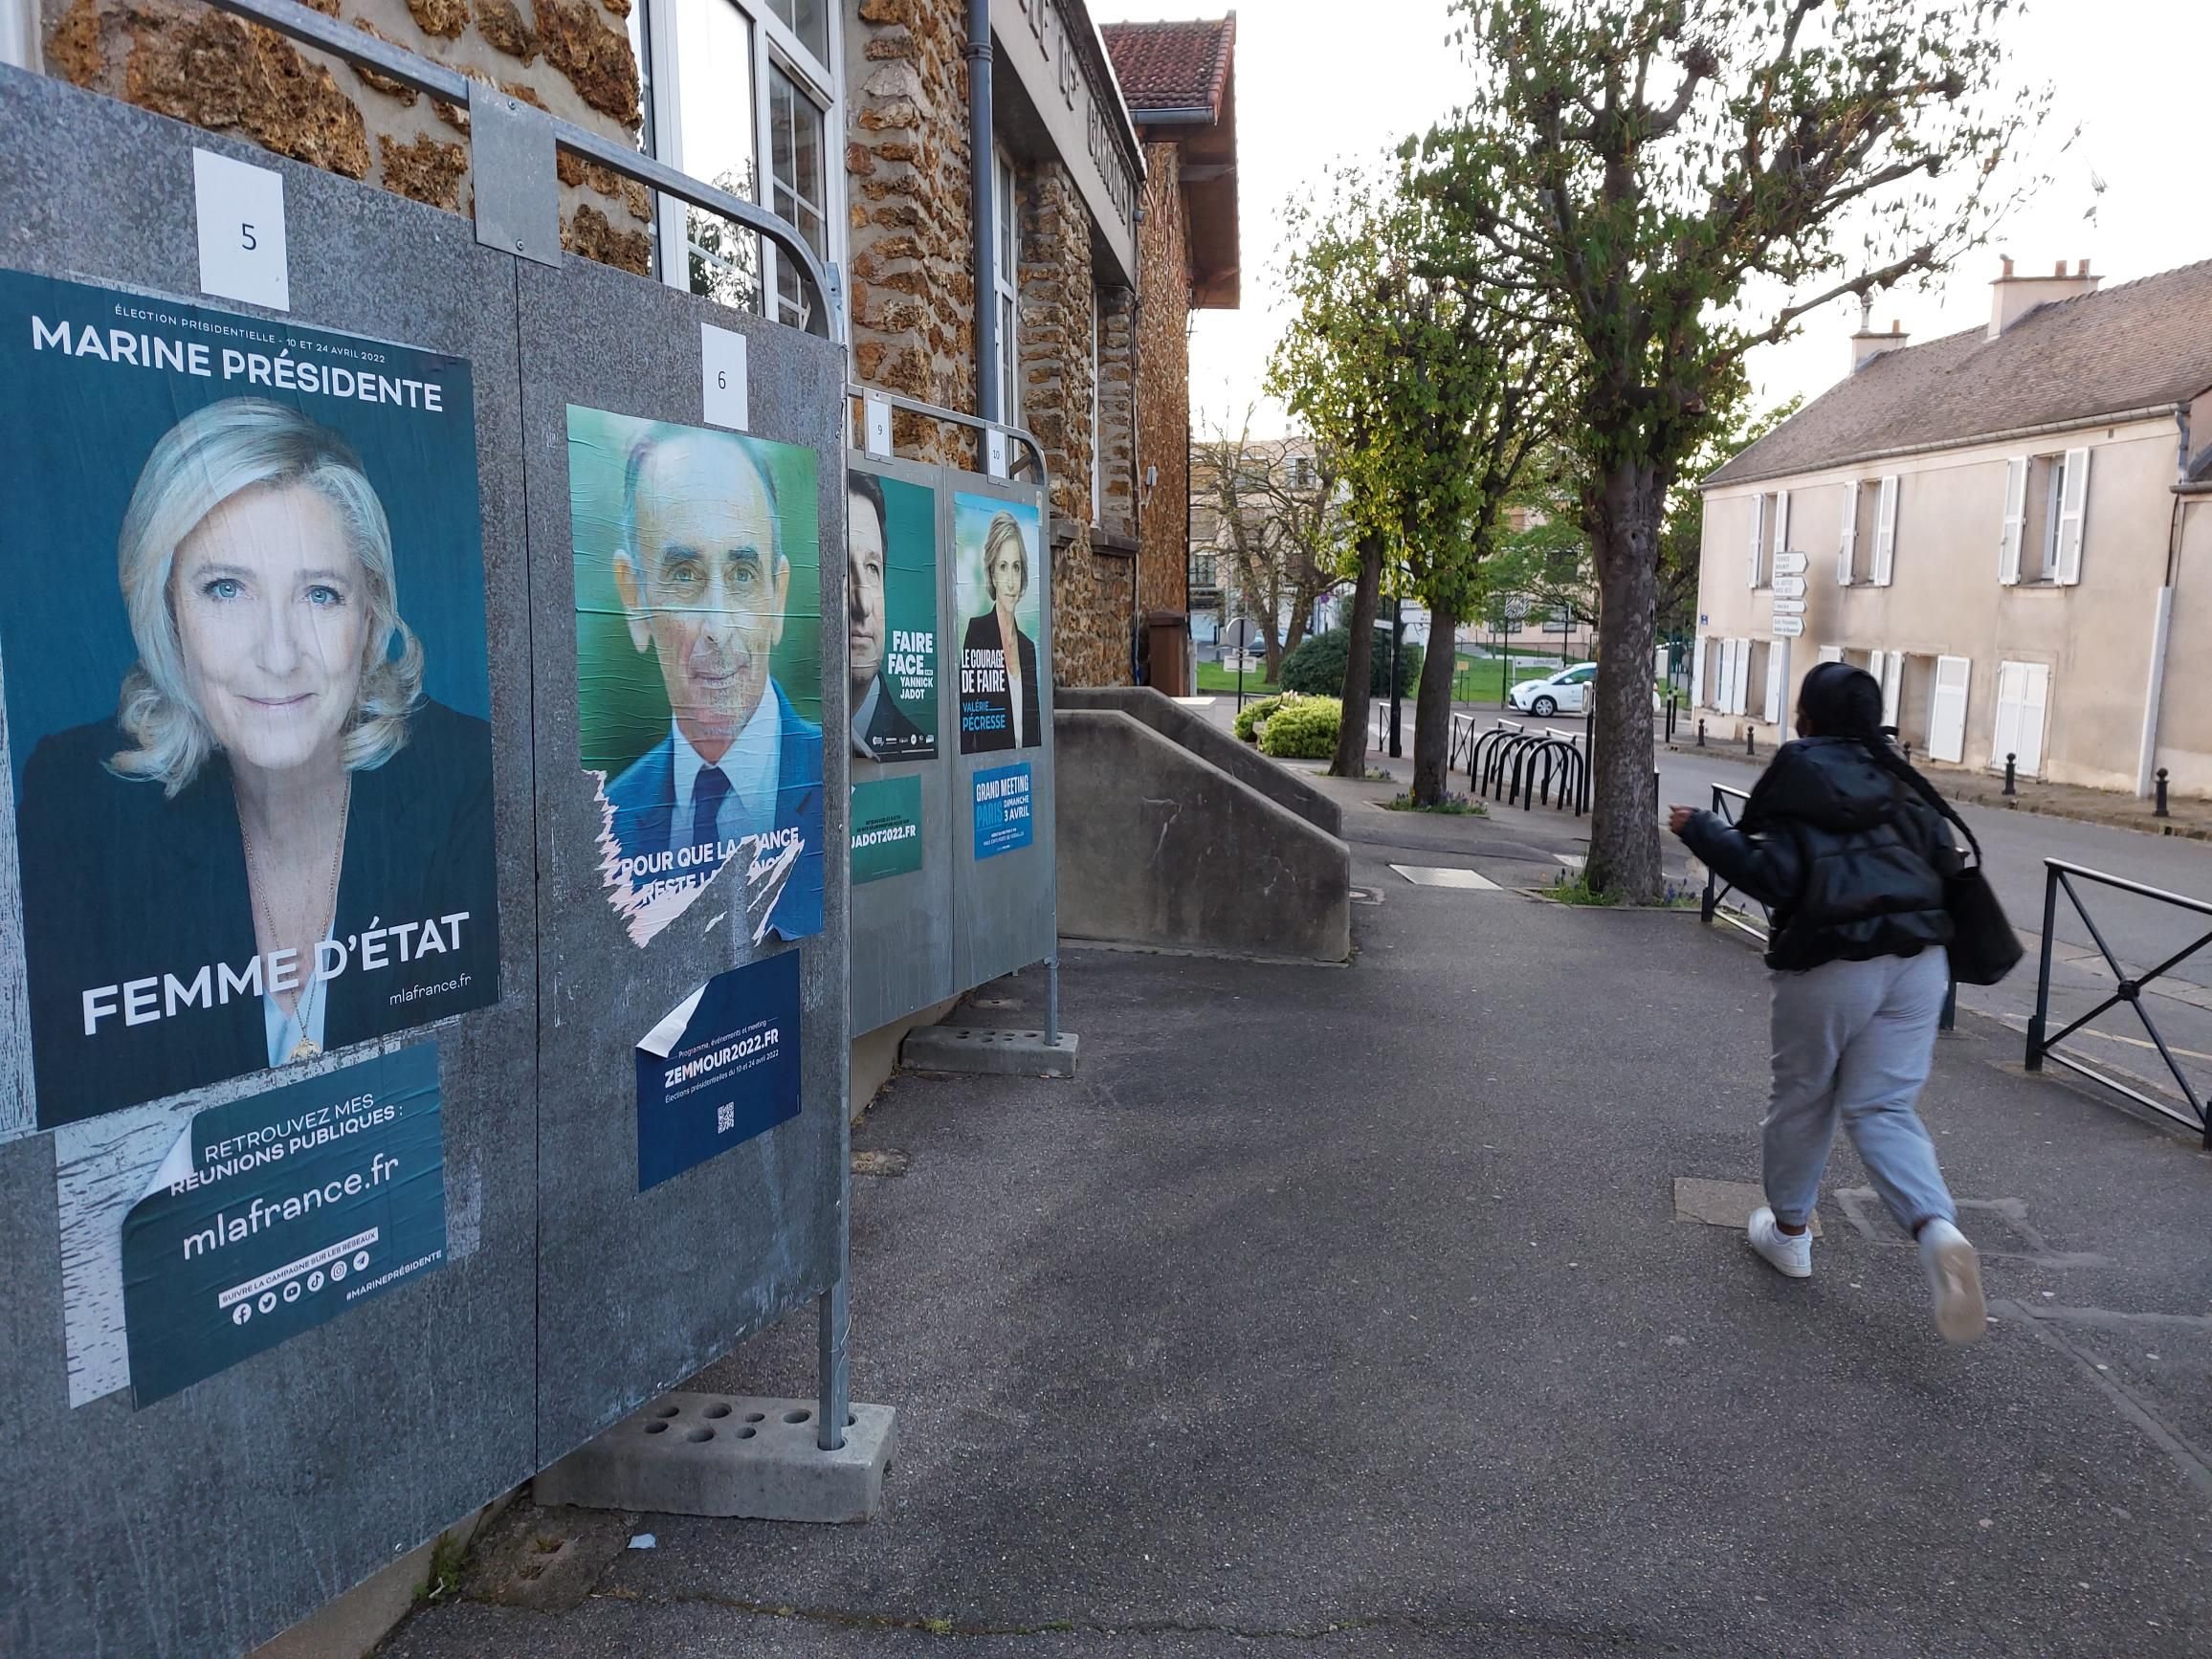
[[2011, 528]]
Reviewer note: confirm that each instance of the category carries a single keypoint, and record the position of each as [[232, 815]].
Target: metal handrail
[[935, 412], [326, 33], [2058, 874], [1717, 890]]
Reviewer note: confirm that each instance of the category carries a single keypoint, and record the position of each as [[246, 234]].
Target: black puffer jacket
[[1848, 856]]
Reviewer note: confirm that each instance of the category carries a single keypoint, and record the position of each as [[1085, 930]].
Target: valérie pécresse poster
[[280, 1212], [1002, 608], [247, 694], [891, 616], [698, 658]]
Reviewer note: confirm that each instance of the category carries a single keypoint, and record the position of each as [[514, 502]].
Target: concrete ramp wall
[[1204, 738], [1160, 847]]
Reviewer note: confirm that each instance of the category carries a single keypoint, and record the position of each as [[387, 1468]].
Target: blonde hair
[[1004, 533], [204, 460]]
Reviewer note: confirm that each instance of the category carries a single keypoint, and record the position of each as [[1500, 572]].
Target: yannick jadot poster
[[280, 1212]]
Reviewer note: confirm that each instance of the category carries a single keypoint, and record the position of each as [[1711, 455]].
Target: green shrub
[[1303, 729], [1318, 666], [1250, 717]]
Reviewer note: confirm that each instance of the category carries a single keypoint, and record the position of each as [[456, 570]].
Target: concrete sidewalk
[[1349, 1313]]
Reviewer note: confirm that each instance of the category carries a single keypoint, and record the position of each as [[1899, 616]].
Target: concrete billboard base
[[731, 1455], [994, 1054]]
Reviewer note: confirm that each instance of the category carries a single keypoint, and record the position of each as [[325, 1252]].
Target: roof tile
[[1179, 66]]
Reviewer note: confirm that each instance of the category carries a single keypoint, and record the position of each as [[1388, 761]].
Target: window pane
[[809, 21], [714, 59], [796, 165], [1009, 406]]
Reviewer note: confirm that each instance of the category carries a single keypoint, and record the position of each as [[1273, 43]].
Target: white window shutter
[[2015, 520], [1758, 532], [1850, 539], [1874, 660], [1777, 666], [1697, 672], [1886, 533], [1893, 677], [2073, 502], [1782, 523], [1947, 708]]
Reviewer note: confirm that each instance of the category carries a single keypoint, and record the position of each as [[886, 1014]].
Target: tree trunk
[[1623, 517], [1351, 760], [1301, 614], [1433, 712]]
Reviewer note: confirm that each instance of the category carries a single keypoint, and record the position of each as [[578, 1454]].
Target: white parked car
[[1563, 692]]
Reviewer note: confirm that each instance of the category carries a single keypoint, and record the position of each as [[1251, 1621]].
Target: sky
[[1311, 90]]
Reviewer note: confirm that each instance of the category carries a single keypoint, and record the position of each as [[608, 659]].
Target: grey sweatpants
[[1856, 1040]]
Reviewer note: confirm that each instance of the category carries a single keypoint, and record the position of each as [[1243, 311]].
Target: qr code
[[725, 1118]]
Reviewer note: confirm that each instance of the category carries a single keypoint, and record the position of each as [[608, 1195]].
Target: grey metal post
[[1397, 634], [833, 1331], [1052, 999], [2036, 1025], [982, 185]]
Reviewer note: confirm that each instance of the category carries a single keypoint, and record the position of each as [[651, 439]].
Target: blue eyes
[[224, 589]]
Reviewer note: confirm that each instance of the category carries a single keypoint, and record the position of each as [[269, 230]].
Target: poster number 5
[[241, 231], [722, 377]]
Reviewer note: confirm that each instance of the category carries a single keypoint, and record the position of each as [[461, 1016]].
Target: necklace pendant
[[308, 1049]]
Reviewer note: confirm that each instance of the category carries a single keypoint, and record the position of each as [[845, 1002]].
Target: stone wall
[[1091, 590], [571, 57], [1164, 384], [1117, 404], [911, 232]]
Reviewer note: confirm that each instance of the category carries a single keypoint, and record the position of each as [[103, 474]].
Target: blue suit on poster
[[644, 798]]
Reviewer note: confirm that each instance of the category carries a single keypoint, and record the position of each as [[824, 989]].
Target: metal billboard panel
[[1004, 901], [902, 924], [638, 1290], [374, 1430]]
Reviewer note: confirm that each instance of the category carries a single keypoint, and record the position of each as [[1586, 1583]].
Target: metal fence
[[2061, 876], [1726, 804]]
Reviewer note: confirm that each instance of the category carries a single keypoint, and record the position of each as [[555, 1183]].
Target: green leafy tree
[[1652, 171], [1404, 357]]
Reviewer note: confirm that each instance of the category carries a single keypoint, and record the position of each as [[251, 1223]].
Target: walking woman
[[1841, 840]]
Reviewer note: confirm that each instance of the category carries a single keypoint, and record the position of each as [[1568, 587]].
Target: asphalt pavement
[[1347, 1312]]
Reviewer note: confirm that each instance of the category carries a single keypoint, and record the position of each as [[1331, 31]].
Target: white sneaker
[[1790, 1254], [1955, 1281]]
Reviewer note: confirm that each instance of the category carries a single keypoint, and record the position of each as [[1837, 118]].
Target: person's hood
[[1830, 782]]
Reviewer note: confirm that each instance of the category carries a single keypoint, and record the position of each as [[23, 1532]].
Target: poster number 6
[[722, 377]]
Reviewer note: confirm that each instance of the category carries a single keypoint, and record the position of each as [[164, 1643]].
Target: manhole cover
[[1433, 876]]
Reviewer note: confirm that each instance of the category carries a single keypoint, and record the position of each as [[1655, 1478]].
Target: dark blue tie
[[708, 793]]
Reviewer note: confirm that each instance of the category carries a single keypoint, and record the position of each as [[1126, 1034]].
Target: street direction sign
[[1788, 626], [1789, 608], [1790, 586], [1789, 563]]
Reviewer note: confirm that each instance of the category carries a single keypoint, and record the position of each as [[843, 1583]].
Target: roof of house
[[1181, 66], [2143, 344]]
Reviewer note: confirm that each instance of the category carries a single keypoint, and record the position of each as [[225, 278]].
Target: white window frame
[[775, 45]]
